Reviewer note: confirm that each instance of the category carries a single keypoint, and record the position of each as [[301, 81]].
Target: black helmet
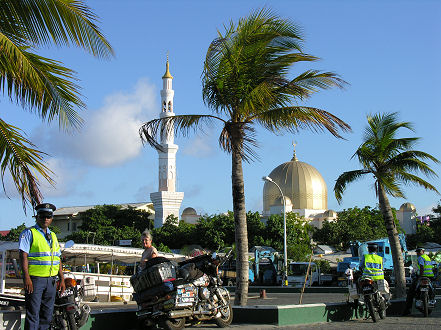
[[372, 247], [419, 249]]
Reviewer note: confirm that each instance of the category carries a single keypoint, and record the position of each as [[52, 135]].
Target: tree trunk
[[240, 224], [395, 246]]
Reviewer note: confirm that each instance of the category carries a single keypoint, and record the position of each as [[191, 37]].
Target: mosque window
[[164, 107], [169, 106]]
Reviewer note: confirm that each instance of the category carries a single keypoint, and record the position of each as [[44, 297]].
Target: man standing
[[349, 275], [40, 263], [425, 266]]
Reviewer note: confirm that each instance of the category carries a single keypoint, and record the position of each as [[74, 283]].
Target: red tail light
[[70, 282], [367, 281]]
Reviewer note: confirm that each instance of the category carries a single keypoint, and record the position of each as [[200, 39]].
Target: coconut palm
[[245, 83], [391, 161], [39, 84]]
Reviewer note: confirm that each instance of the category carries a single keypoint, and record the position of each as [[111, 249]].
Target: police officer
[[372, 264], [425, 266], [40, 262]]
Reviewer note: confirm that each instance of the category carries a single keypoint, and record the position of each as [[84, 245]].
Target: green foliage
[[325, 266], [298, 235], [352, 224], [14, 233], [111, 223]]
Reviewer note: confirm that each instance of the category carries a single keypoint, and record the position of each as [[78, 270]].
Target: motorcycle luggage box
[[157, 271], [151, 293]]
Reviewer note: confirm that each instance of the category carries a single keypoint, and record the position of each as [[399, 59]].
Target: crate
[[383, 286], [89, 287], [153, 276]]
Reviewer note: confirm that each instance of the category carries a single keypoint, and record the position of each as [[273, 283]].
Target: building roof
[[4, 232], [71, 210]]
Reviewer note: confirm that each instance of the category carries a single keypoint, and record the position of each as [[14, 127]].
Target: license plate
[[424, 289], [66, 293], [366, 288]]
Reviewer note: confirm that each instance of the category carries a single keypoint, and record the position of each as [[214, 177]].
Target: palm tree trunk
[[392, 233], [240, 224]]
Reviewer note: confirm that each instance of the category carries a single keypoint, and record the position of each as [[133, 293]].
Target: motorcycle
[[188, 292], [374, 301], [68, 315], [424, 291]]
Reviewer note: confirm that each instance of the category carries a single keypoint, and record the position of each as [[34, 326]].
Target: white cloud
[[110, 134], [198, 147], [66, 177]]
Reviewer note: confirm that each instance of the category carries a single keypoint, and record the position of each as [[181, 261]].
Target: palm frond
[[39, 84], [411, 178], [344, 179], [292, 119], [19, 156], [61, 22], [152, 131]]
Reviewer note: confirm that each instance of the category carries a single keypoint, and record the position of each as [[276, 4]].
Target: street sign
[[124, 242]]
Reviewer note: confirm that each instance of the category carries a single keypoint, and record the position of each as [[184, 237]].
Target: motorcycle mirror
[[69, 244], [214, 256]]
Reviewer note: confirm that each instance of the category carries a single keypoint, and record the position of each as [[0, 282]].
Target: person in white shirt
[[349, 275]]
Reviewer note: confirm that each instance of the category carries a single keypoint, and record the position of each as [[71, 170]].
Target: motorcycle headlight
[[204, 293]]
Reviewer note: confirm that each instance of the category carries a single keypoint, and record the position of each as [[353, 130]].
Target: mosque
[[303, 186]]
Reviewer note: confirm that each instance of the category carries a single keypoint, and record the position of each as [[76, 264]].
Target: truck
[[263, 268], [361, 248], [297, 272]]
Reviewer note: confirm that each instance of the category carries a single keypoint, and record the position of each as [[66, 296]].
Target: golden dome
[[300, 182], [407, 207]]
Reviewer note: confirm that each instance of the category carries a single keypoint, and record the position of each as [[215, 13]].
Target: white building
[[167, 200], [406, 215]]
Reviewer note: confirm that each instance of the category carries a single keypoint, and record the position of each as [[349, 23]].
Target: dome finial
[[294, 156], [167, 71]]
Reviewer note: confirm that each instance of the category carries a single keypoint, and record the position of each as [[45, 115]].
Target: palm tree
[[41, 85], [391, 160], [245, 83]]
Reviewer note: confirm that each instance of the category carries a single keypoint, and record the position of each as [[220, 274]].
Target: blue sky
[[388, 52]]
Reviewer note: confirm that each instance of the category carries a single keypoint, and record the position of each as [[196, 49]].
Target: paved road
[[415, 321]]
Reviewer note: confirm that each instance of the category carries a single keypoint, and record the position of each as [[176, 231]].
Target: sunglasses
[[45, 216]]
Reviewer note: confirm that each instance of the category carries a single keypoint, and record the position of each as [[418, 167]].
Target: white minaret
[[167, 200]]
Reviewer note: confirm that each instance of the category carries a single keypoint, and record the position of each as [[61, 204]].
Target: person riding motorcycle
[[425, 270], [371, 265]]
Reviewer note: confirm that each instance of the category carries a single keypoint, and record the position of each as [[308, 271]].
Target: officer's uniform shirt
[[25, 239]]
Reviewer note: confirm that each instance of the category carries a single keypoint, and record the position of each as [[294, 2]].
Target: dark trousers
[[412, 291], [40, 303]]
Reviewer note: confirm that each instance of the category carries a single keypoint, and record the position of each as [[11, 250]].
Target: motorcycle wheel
[[370, 305], [174, 324], [425, 301], [226, 317], [71, 324], [381, 307]]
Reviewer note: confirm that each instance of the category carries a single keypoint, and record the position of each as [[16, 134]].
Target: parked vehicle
[[423, 295], [374, 301], [297, 272], [173, 294], [69, 312], [360, 248]]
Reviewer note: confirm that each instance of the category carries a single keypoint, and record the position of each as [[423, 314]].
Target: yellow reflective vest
[[43, 260], [373, 267], [428, 266]]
